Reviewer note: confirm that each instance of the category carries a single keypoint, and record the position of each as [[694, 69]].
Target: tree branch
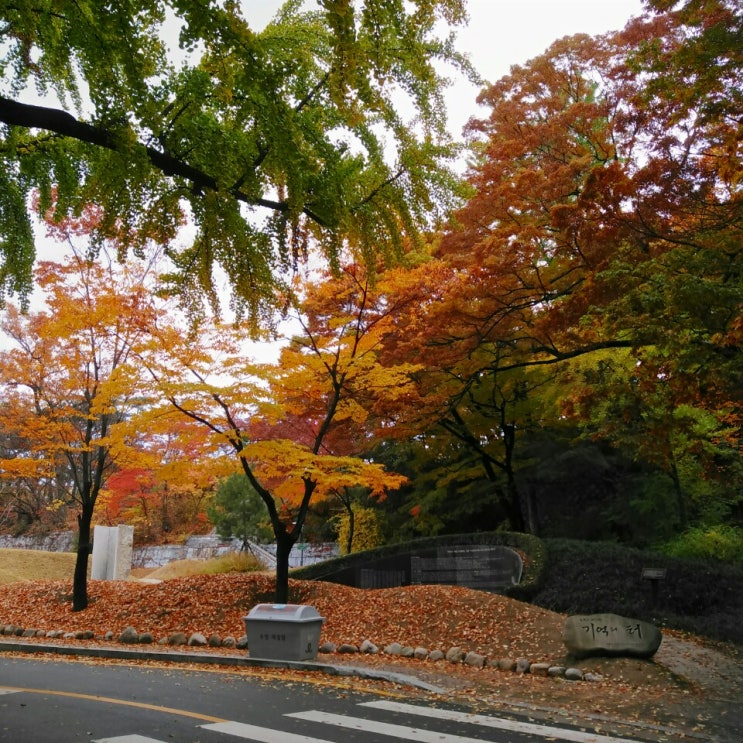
[[14, 113]]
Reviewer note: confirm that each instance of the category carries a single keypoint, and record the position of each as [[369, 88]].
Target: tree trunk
[[84, 548], [680, 498], [351, 526], [284, 544]]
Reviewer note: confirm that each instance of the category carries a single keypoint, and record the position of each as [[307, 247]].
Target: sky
[[502, 33]]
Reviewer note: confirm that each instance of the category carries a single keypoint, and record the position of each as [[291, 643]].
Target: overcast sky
[[502, 33]]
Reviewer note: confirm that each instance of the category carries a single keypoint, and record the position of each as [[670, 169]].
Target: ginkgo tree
[[268, 139], [65, 383], [286, 426]]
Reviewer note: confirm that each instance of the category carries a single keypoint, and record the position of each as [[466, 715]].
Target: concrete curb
[[235, 661]]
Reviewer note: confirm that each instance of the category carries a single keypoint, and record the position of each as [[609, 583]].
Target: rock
[[408, 652], [146, 638], [556, 671], [51, 634], [163, 641], [40, 633], [393, 649], [327, 647], [611, 635], [215, 641], [229, 642], [436, 655], [523, 665], [9, 629], [242, 643], [573, 674], [197, 640], [506, 664], [108, 636], [539, 669], [29, 632], [592, 677], [474, 659], [420, 653], [129, 636], [88, 634], [179, 638], [455, 655], [348, 648], [368, 647]]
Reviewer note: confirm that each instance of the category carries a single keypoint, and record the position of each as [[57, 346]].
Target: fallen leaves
[[431, 616], [435, 617]]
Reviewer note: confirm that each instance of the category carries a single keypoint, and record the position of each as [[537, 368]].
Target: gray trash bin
[[283, 631]]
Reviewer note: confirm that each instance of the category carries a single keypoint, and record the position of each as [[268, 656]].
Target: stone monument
[[112, 552], [610, 634]]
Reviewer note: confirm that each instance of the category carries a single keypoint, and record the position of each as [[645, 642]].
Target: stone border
[[454, 655]]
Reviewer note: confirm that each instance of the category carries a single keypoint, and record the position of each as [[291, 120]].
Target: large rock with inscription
[[610, 634]]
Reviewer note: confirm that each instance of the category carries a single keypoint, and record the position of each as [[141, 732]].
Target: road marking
[[382, 728], [3, 690], [128, 739], [262, 735], [111, 700], [545, 731]]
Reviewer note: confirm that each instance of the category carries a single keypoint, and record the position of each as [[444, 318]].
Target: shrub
[[719, 542]]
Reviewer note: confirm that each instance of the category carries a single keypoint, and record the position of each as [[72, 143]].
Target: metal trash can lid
[[284, 612]]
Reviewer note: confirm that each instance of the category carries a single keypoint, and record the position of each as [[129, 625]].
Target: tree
[[64, 387], [238, 511], [606, 217], [300, 121], [286, 427], [165, 479]]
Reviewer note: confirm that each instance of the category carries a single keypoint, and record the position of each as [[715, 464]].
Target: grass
[[18, 565]]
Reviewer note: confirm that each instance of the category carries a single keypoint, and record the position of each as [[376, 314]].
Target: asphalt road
[[53, 701]]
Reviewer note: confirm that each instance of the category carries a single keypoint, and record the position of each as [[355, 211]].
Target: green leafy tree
[[299, 122], [238, 511]]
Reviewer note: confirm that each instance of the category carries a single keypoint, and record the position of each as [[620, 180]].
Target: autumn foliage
[[572, 331]]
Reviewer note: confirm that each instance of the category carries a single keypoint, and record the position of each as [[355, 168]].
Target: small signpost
[[654, 575]]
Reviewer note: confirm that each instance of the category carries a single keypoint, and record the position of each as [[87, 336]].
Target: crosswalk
[[467, 725]]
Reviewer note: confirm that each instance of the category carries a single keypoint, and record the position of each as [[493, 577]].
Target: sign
[[653, 573]]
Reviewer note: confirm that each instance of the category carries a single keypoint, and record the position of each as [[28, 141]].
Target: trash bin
[[283, 631]]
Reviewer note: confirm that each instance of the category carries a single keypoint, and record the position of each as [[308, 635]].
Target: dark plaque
[[483, 567]]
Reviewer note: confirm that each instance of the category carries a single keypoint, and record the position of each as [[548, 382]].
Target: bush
[[719, 542], [704, 597]]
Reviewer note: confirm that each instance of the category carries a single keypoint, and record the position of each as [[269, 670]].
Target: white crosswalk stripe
[[245, 731], [383, 728], [258, 734], [530, 728]]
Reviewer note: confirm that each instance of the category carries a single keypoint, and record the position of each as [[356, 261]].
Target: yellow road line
[[110, 700]]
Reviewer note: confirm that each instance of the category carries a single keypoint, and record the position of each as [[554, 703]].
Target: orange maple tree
[[66, 383], [606, 217], [287, 427]]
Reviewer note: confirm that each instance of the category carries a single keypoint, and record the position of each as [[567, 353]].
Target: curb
[[237, 661]]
